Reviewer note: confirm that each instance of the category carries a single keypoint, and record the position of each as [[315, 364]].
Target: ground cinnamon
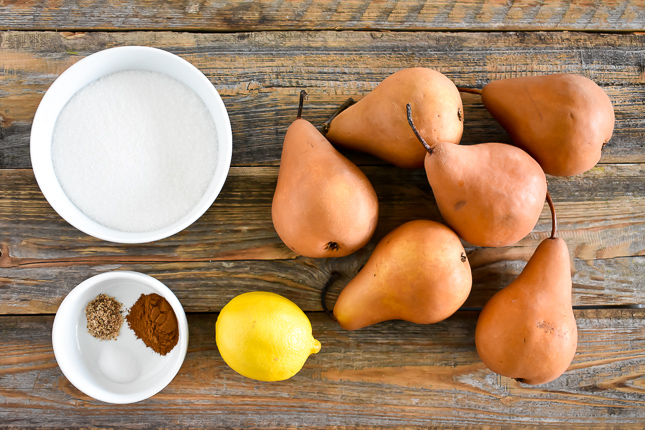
[[154, 322]]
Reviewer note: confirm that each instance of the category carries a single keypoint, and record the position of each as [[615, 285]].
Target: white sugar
[[118, 364], [135, 150]]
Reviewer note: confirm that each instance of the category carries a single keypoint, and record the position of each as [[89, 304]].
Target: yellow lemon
[[264, 336]]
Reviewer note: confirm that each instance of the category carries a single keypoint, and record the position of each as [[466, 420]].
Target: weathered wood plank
[[241, 15], [260, 74], [601, 215], [233, 248], [208, 286], [416, 376]]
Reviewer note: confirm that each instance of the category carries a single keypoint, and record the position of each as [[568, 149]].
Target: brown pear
[[561, 120], [418, 272], [527, 331], [490, 194], [323, 206], [377, 123]]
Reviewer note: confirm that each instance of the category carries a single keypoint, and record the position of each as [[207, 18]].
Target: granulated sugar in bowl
[[131, 144]]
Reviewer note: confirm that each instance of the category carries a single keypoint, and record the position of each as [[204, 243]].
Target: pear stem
[[350, 101], [323, 294], [470, 90], [553, 217], [416, 132], [303, 97]]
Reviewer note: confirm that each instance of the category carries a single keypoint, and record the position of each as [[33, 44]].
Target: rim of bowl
[[70, 302], [43, 166]]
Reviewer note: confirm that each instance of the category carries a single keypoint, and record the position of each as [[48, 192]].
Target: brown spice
[[104, 317], [153, 320]]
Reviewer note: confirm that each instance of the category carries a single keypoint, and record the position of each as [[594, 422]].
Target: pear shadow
[[479, 125]]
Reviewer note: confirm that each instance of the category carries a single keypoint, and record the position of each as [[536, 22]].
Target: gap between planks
[[301, 29]]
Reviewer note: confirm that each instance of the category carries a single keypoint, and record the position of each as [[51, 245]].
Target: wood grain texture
[[207, 287], [233, 248], [259, 54], [244, 15], [260, 74], [416, 376]]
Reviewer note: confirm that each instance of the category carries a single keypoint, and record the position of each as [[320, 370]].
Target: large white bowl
[[92, 68], [78, 353]]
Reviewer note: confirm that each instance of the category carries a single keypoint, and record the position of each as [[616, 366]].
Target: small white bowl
[[92, 68], [79, 354]]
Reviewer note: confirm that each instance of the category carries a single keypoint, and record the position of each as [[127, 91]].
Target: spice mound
[[153, 320], [104, 317]]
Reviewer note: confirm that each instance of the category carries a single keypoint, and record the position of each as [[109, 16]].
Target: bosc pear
[[527, 331], [418, 272], [490, 194], [323, 206], [377, 125], [561, 120]]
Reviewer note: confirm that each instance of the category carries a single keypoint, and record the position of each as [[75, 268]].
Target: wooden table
[[259, 55]]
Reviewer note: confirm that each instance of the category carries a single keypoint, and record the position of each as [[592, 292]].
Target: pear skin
[[418, 272], [377, 124], [527, 331], [324, 205], [561, 120], [490, 194]]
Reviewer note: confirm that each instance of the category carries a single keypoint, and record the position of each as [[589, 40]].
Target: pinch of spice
[[104, 318], [153, 320]]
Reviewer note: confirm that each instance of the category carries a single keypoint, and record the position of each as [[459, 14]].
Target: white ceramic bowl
[[81, 357], [92, 68]]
